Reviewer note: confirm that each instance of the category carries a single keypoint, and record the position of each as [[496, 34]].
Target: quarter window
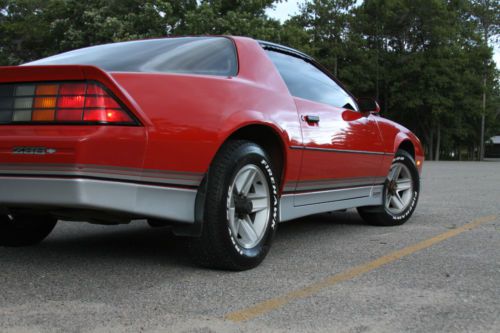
[[306, 81]]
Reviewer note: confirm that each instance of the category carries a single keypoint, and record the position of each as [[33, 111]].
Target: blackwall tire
[[241, 209], [24, 229], [401, 193]]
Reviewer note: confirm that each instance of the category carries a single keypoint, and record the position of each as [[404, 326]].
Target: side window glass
[[306, 81]]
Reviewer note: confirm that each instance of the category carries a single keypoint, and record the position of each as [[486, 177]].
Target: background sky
[[283, 10]]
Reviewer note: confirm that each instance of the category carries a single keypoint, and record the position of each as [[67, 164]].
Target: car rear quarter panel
[[75, 145], [78, 147], [189, 117]]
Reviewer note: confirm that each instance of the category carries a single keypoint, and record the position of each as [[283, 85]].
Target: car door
[[342, 148]]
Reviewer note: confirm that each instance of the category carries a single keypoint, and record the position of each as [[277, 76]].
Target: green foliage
[[33, 29], [424, 60], [327, 21], [245, 18]]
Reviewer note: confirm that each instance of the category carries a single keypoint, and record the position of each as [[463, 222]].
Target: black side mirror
[[368, 105]]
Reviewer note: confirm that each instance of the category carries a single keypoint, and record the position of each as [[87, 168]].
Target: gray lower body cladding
[[145, 201], [124, 198]]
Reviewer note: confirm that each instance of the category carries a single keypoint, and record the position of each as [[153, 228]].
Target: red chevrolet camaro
[[220, 138]]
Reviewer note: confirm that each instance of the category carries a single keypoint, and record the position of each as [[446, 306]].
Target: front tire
[[401, 191], [24, 229], [241, 209]]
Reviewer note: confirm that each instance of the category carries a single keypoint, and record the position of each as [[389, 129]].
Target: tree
[[327, 21], [3, 51], [487, 15], [423, 63], [224, 17], [24, 30], [33, 29]]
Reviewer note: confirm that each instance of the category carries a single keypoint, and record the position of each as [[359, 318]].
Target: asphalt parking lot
[[330, 273]]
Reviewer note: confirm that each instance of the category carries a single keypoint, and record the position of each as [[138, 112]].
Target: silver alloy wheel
[[399, 191], [249, 206]]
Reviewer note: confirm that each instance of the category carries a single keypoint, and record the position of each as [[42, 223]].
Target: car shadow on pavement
[[134, 242], [80, 242], [322, 222]]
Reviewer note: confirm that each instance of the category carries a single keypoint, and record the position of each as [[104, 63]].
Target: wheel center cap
[[392, 187], [243, 206]]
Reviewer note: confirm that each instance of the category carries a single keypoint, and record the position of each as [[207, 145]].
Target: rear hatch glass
[[183, 55]]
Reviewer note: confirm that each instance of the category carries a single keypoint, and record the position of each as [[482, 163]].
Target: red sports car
[[220, 138]]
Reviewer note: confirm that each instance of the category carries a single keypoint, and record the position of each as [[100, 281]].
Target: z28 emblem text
[[32, 151]]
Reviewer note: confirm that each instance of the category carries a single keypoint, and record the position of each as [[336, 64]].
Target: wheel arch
[[268, 138], [404, 142], [407, 146]]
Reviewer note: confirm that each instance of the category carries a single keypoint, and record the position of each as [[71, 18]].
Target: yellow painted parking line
[[272, 304]]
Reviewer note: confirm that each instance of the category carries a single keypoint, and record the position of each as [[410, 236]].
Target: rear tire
[[401, 191], [25, 229], [241, 209]]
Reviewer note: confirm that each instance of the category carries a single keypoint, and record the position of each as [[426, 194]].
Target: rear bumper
[[140, 200]]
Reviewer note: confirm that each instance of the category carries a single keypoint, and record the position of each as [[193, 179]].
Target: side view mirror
[[368, 105]]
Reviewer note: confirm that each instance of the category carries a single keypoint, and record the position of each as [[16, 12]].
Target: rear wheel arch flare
[[407, 146], [269, 140]]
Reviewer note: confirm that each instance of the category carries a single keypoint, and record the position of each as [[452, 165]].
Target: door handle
[[311, 119]]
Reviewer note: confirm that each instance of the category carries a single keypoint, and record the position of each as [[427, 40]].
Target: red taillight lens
[[65, 102], [74, 89], [94, 89], [70, 115], [101, 102], [106, 116], [71, 102]]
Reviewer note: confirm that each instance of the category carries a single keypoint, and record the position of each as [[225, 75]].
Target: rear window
[[186, 55]]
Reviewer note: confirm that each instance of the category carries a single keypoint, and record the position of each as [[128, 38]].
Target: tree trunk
[[483, 116], [386, 98], [335, 69], [377, 89], [438, 142], [431, 145], [378, 47]]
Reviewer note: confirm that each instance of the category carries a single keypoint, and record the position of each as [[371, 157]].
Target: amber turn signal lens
[[47, 89], [43, 115], [45, 102]]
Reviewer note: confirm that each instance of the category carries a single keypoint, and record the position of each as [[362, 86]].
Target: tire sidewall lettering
[[272, 224], [409, 210]]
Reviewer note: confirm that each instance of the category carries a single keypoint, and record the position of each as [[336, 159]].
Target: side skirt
[[297, 205]]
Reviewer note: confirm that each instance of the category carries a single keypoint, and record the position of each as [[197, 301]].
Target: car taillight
[[62, 102]]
